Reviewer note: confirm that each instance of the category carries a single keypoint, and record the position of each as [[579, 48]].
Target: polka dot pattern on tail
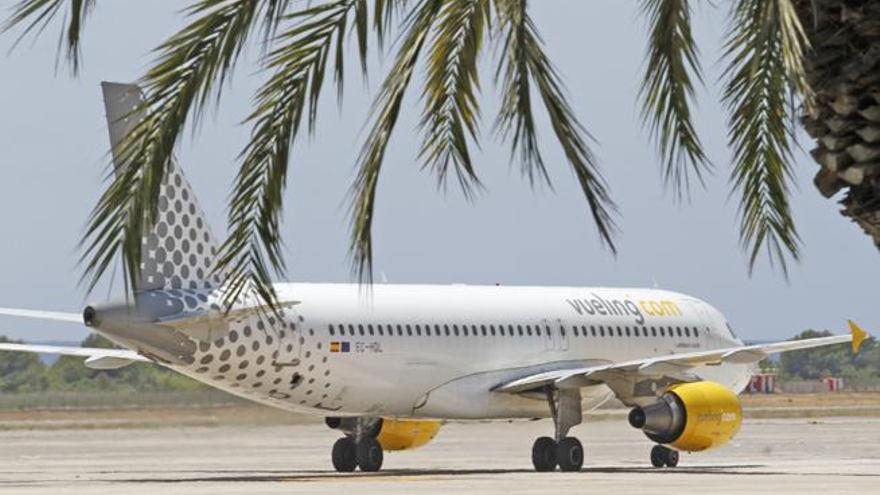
[[179, 252]]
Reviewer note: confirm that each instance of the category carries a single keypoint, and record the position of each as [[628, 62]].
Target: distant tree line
[[835, 361], [23, 372]]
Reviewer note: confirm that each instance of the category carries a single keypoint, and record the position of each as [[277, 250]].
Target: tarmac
[[821, 455]]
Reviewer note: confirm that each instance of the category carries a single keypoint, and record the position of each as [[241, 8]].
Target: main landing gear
[[563, 451], [359, 447], [663, 457]]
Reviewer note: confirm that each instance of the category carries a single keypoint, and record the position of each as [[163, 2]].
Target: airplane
[[388, 366]]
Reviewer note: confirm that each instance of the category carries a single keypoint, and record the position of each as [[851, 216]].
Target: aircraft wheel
[[544, 454], [369, 454], [343, 455], [570, 454], [664, 456], [658, 456]]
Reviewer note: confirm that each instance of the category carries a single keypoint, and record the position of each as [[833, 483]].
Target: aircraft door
[[554, 334]]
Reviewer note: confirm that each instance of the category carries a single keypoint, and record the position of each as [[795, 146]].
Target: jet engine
[[691, 416], [400, 434], [392, 434]]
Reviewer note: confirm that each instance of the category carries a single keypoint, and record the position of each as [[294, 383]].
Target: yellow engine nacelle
[[402, 434], [691, 416]]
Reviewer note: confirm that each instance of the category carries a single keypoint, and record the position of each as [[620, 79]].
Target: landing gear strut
[[359, 447], [563, 451], [663, 456]]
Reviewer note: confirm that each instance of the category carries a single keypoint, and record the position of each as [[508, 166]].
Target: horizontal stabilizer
[[42, 315], [96, 358]]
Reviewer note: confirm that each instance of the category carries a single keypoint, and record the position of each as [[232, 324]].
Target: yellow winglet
[[858, 336]]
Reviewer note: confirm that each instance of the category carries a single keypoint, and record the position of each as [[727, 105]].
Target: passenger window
[[627, 332], [501, 330], [519, 330], [361, 329], [678, 331], [562, 331], [662, 332], [370, 329], [636, 331], [379, 328], [575, 329], [593, 330], [331, 329], [492, 330], [529, 330], [619, 332]]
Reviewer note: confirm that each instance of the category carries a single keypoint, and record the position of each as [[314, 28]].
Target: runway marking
[[435, 475]]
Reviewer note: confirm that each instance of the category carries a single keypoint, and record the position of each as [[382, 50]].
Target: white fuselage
[[437, 351]]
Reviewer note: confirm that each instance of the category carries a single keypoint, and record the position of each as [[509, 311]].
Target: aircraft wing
[[674, 365]]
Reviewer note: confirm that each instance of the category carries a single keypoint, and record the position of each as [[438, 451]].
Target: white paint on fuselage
[[392, 374]]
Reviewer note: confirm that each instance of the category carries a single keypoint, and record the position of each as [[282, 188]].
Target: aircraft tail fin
[[179, 250]]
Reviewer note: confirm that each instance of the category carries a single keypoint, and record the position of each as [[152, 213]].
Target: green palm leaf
[[252, 250], [451, 88], [764, 77], [191, 64], [527, 60], [386, 110], [667, 92], [35, 15]]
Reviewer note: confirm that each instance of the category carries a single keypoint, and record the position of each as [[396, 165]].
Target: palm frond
[[386, 108], [667, 92], [384, 12], [765, 75], [450, 93], [515, 121], [191, 64], [569, 132], [35, 15], [252, 251]]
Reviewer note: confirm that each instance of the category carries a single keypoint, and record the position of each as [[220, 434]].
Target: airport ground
[[799, 444]]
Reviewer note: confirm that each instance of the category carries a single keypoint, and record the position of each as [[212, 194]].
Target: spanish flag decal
[[339, 347]]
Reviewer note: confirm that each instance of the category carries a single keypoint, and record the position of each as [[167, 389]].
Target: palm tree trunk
[[844, 70]]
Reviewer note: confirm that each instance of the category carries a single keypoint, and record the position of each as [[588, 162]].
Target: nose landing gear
[[663, 457]]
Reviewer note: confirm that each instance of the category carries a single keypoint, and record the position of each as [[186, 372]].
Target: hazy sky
[[53, 142]]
